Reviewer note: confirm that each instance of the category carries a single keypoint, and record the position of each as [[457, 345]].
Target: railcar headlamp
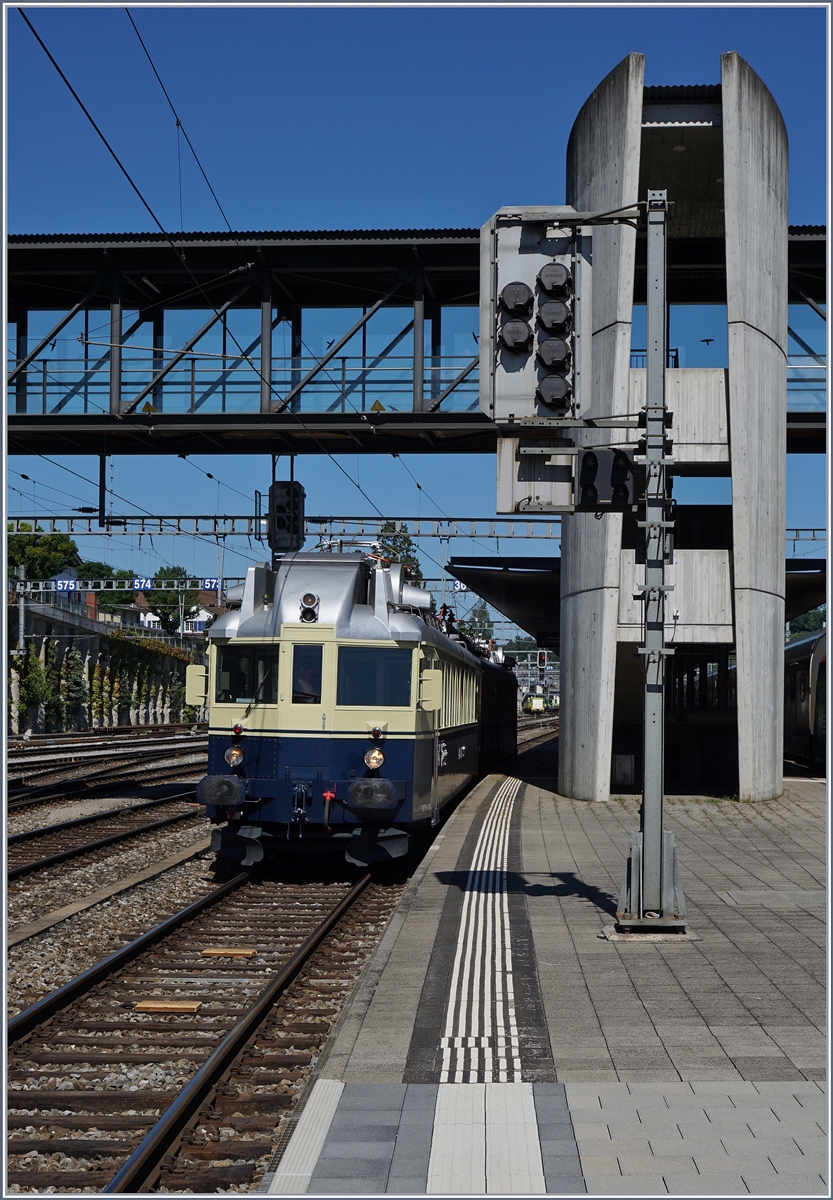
[[374, 758], [234, 756]]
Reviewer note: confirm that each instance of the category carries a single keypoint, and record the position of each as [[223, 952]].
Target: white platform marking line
[[298, 1163], [513, 1148], [456, 1018], [458, 1147], [481, 1010]]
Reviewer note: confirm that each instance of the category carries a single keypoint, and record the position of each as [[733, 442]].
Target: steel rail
[[28, 835], [25, 1022], [142, 1167], [90, 783], [52, 860]]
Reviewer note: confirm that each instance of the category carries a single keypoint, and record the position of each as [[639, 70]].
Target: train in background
[[805, 700], [343, 712]]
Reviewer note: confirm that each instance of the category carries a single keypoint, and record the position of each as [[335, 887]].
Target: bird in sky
[[53, 344], [707, 341], [330, 343], [476, 338]]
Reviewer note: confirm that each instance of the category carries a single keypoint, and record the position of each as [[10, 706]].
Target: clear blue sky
[[339, 118]]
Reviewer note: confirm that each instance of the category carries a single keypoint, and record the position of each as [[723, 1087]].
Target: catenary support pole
[[265, 341], [651, 898], [21, 609]]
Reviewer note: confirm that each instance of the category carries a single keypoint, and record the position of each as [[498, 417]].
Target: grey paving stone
[[377, 1151], [634, 1185], [725, 1184], [366, 1118], [785, 1185], [552, 1132], [343, 1132], [345, 1187], [363, 1096], [351, 1168], [405, 1185]]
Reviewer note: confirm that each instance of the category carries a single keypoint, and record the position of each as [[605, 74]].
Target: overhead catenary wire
[[178, 251]]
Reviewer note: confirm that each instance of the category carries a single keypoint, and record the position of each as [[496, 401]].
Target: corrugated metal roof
[[808, 231], [257, 237], [693, 93]]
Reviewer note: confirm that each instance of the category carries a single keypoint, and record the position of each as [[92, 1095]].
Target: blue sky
[[340, 118]]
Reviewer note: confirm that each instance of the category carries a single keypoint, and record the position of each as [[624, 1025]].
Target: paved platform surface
[[497, 1044]]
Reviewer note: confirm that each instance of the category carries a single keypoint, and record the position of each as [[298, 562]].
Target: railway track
[[158, 765], [536, 731], [133, 733], [38, 849], [171, 1063]]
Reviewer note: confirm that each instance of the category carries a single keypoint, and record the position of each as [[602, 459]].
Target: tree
[[109, 601], [400, 548], [480, 622], [170, 606], [808, 622], [44, 555], [521, 643]]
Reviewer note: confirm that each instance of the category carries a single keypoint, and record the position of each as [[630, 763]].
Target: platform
[[496, 1043]]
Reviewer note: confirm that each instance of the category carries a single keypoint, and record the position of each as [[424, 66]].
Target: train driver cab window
[[374, 677], [306, 674], [247, 673]]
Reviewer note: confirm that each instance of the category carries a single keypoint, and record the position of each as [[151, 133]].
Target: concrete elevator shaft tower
[[730, 182]]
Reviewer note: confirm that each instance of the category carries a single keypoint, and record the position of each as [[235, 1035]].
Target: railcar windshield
[[306, 674], [246, 673], [374, 676]]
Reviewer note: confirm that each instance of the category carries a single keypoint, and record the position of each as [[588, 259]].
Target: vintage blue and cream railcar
[[343, 712], [805, 699]]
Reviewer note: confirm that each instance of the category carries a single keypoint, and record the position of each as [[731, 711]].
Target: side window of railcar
[[306, 674], [247, 673], [374, 677]]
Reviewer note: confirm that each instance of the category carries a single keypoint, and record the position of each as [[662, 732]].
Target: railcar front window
[[306, 674], [374, 677], [246, 673]]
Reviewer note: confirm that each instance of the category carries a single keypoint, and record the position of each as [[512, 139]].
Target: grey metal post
[[652, 897], [21, 610], [115, 343], [419, 341], [436, 348], [655, 505], [296, 350], [265, 341], [158, 346], [22, 349]]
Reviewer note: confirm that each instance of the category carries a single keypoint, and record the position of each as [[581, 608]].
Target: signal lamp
[[517, 298], [376, 732], [237, 730], [308, 615], [620, 473], [554, 390], [234, 756], [374, 758], [589, 495], [554, 277], [554, 314], [554, 352], [516, 335], [308, 600]]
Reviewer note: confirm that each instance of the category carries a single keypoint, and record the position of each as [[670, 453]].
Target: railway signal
[[285, 518]]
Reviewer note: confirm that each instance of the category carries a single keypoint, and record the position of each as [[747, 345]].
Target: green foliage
[[169, 606], [34, 689], [400, 548], [808, 622], [44, 555], [479, 621], [53, 701], [176, 696], [75, 690], [521, 643]]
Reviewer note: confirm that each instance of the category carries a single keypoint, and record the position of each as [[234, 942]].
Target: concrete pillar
[[602, 173], [755, 158]]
